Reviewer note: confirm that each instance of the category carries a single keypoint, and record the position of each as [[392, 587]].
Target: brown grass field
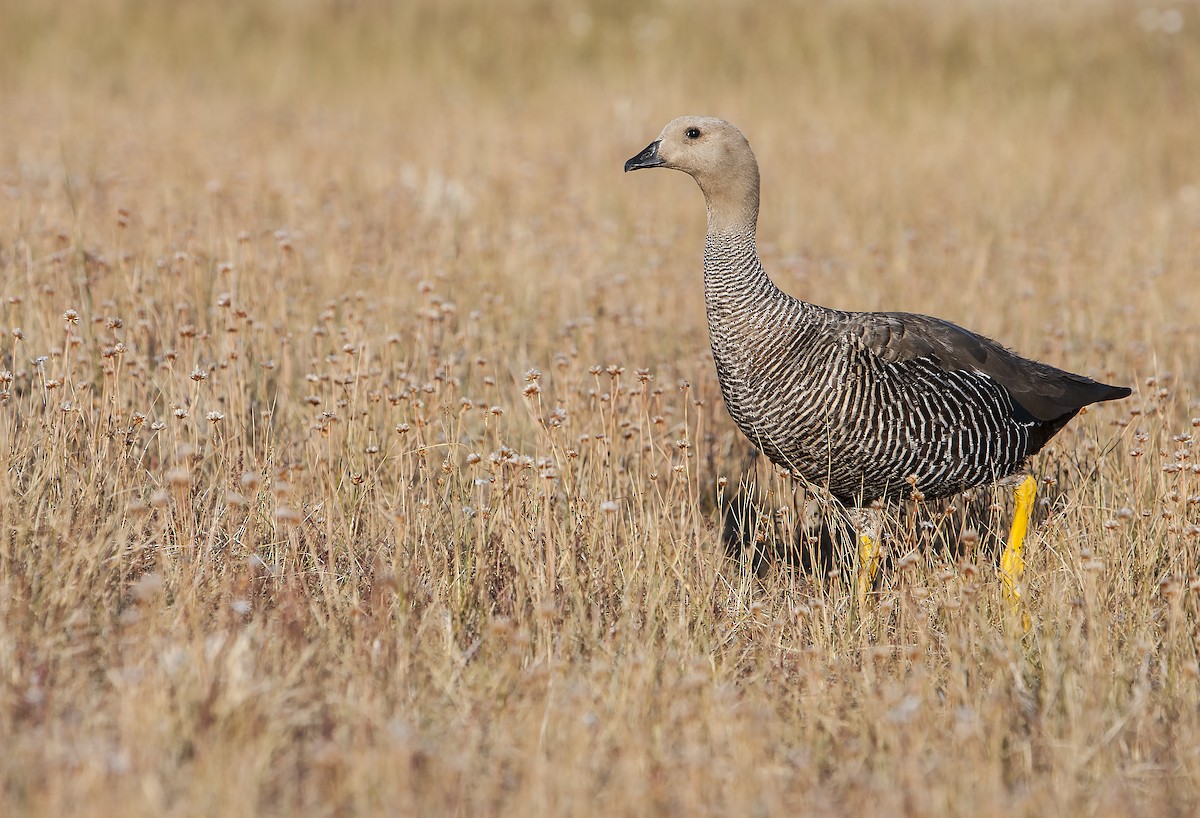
[[290, 526]]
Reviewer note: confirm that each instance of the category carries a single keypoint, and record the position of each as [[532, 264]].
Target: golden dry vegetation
[[361, 444]]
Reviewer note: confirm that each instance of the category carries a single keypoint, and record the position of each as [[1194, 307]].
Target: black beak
[[646, 159]]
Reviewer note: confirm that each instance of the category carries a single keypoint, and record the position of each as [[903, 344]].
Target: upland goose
[[870, 405]]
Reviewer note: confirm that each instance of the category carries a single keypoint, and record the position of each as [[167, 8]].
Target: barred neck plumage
[[732, 271], [735, 280]]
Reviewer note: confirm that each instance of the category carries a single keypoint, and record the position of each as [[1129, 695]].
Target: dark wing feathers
[[1044, 391]]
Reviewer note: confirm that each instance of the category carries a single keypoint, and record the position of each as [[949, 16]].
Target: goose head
[[718, 156]]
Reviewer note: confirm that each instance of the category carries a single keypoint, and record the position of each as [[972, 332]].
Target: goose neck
[[731, 264]]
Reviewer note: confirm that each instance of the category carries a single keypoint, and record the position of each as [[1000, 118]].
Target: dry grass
[[287, 528]]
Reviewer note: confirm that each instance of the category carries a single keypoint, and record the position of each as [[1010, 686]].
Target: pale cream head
[[718, 157]]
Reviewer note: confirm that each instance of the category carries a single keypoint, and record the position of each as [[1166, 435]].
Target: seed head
[[147, 587], [500, 626]]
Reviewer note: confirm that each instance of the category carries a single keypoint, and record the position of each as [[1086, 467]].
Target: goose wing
[[1045, 392]]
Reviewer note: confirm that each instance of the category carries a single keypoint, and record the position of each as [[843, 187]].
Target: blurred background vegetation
[[874, 120], [247, 564], [1092, 53]]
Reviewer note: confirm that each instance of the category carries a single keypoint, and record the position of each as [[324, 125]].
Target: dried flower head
[[146, 588]]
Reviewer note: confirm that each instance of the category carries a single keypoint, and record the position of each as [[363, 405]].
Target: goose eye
[[692, 133]]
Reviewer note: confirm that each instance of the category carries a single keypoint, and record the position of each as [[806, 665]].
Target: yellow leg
[[869, 557], [1012, 564]]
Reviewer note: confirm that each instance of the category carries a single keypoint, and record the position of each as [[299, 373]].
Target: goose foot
[[1012, 564]]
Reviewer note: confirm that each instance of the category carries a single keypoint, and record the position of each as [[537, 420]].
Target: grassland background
[[393, 575]]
